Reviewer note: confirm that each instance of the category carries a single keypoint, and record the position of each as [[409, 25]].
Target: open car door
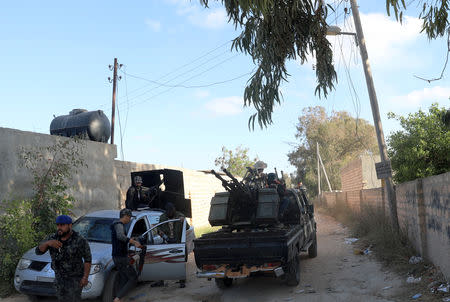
[[165, 261]]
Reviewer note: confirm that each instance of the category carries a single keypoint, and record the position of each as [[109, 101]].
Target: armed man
[[137, 195], [71, 259]]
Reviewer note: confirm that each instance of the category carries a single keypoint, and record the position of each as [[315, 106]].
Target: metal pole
[[375, 111], [113, 100], [318, 169]]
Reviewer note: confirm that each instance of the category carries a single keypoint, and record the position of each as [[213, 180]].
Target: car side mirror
[[310, 208]]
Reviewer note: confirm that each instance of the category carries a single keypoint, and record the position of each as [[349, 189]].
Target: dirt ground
[[335, 275]]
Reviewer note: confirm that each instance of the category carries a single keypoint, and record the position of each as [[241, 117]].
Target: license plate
[[45, 279]]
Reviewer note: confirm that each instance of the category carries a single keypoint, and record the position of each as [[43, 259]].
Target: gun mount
[[244, 203]]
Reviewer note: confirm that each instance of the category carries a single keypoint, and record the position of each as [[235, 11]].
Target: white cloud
[[418, 97], [388, 41], [214, 17], [153, 25], [225, 106]]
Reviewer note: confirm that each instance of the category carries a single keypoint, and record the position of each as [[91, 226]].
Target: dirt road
[[335, 275]]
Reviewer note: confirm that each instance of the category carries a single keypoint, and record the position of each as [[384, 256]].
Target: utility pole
[[113, 109], [375, 112], [318, 168], [325, 172]]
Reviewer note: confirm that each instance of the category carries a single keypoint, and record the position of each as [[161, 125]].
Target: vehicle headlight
[[23, 264], [95, 268]]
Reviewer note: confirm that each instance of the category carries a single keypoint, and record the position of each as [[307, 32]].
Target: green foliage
[[25, 222], [272, 33], [52, 167], [422, 148], [341, 139], [17, 234], [434, 15], [235, 161]]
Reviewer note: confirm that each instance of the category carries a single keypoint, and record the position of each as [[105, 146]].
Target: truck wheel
[[109, 290], [293, 272], [312, 250], [223, 283]]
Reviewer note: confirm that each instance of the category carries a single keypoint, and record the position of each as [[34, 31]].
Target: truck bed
[[250, 247]]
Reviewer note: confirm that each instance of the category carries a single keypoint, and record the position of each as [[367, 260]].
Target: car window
[[170, 231], [95, 229], [139, 228]]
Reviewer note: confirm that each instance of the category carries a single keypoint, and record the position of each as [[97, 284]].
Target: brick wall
[[351, 176]]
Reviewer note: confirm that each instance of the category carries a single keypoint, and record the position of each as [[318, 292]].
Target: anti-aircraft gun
[[244, 203]]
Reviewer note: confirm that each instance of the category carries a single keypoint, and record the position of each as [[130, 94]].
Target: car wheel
[[312, 250], [110, 288], [293, 272], [223, 282]]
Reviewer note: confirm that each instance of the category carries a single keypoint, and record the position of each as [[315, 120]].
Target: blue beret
[[63, 219]]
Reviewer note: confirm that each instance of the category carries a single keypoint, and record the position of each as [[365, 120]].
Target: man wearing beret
[[71, 259]]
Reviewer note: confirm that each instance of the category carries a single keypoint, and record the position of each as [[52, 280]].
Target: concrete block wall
[[423, 209], [436, 221], [94, 186], [354, 200]]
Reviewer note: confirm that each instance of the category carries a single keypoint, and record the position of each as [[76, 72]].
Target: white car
[[163, 261]]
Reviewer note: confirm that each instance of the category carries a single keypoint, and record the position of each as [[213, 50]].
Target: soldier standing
[[127, 274], [71, 259]]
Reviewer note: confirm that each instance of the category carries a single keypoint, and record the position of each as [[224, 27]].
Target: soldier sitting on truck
[[273, 182], [137, 195]]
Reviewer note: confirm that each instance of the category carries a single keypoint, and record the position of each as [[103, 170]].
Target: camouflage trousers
[[68, 289]]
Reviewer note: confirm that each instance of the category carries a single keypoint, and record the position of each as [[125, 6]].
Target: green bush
[[422, 148], [17, 234]]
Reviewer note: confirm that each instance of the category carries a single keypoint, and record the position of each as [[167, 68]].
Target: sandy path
[[335, 275]]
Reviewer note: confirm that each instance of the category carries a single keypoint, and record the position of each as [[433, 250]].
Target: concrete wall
[[423, 209], [91, 189], [103, 183]]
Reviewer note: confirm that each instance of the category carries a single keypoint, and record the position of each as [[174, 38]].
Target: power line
[[176, 77], [194, 76], [189, 86], [187, 64]]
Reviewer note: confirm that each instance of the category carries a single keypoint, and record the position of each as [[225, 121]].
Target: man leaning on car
[[71, 259]]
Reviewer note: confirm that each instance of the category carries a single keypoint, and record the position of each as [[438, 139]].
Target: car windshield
[[96, 229]]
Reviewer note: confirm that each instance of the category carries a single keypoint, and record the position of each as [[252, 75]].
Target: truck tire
[[293, 272], [110, 287], [312, 250], [223, 283]]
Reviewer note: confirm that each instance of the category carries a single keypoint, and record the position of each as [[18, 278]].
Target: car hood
[[100, 252]]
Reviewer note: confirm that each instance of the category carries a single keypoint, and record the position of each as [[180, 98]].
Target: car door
[[165, 261]]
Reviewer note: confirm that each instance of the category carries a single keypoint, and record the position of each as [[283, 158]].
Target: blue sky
[[55, 57]]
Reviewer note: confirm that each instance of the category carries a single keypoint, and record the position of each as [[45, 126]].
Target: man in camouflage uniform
[[71, 259]]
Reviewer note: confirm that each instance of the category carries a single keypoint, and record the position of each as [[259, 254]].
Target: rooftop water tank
[[90, 125]]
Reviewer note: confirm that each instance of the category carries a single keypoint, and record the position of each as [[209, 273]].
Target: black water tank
[[93, 125]]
